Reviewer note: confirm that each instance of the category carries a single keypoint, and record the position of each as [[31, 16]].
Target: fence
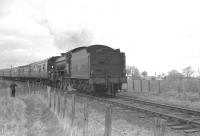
[[160, 86], [83, 116]]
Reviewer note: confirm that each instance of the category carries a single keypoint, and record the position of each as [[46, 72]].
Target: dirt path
[[40, 120]]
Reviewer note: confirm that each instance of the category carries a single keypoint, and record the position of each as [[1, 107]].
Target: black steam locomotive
[[93, 69]]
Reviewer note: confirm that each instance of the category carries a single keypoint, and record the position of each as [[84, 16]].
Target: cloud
[[33, 20], [153, 37], [17, 56], [22, 39], [20, 51], [5, 7]]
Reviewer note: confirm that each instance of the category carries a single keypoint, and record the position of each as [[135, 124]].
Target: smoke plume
[[71, 39], [68, 38]]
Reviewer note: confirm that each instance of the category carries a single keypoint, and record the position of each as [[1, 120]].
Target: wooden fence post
[[50, 99], [140, 85], [52, 102], [34, 87], [108, 120], [149, 85], [54, 107], [85, 131], [29, 90], [39, 89], [73, 110], [160, 126], [133, 85], [45, 94], [56, 110], [49, 96], [159, 90], [42, 92], [60, 105], [183, 90], [59, 99], [64, 104], [7, 92]]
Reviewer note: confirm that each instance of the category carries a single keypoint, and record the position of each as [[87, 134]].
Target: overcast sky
[[156, 35]]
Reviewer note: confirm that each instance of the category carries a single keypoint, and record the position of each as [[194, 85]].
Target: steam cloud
[[71, 39]]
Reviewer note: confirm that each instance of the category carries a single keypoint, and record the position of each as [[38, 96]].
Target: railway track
[[187, 120], [157, 104]]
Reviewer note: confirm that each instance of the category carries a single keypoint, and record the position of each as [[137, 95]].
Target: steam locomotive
[[96, 69]]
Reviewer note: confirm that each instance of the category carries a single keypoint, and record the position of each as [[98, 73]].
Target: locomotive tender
[[93, 69]]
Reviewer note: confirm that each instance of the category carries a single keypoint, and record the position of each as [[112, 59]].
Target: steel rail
[[146, 111], [158, 104]]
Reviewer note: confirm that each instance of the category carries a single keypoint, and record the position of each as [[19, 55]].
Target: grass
[[12, 117], [23, 115], [124, 123]]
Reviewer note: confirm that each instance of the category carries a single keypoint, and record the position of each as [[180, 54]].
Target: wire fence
[[160, 86]]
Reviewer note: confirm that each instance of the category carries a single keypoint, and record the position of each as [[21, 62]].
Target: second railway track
[[177, 118]]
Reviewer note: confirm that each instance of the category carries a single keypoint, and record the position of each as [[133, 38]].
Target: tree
[[128, 71], [174, 75], [163, 76], [199, 72], [133, 72], [144, 73], [188, 71]]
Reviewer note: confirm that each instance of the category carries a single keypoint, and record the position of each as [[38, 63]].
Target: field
[[183, 93]]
